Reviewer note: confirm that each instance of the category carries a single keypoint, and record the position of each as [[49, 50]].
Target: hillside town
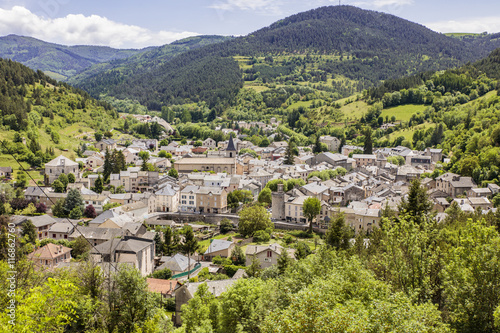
[[178, 185]]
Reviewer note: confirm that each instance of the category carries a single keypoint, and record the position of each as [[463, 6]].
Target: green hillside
[[53, 117], [316, 46]]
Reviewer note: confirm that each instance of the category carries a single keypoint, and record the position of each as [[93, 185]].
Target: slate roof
[[218, 245]]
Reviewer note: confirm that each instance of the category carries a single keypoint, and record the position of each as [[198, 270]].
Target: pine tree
[[368, 145], [190, 245], [108, 164], [73, 199]]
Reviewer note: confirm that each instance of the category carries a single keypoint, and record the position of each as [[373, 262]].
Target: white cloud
[[490, 24], [271, 7], [79, 29]]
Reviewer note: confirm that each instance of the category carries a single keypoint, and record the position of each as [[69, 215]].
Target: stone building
[[59, 165]]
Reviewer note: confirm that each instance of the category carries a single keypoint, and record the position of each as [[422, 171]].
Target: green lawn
[[403, 112], [408, 133]]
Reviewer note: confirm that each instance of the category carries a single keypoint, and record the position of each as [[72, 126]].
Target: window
[[53, 235], [269, 254]]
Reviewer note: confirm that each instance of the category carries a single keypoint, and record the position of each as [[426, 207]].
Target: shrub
[[261, 236]]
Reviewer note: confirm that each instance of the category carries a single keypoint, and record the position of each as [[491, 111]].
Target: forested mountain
[[148, 60], [58, 61], [49, 114], [342, 40]]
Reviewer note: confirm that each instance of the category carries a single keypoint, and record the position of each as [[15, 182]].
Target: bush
[[170, 304], [164, 274], [288, 239], [221, 261], [261, 236], [231, 269]]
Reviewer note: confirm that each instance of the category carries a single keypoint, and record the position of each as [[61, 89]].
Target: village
[[195, 186]]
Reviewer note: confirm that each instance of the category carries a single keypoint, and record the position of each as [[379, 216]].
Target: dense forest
[[358, 44]]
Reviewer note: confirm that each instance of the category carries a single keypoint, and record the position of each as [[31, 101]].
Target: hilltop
[[360, 45]]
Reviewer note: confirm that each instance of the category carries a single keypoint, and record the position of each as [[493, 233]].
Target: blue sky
[[136, 24]]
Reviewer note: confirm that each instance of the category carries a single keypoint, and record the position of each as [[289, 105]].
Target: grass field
[[408, 133], [403, 112]]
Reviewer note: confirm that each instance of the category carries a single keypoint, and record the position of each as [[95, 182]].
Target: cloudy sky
[[136, 24]]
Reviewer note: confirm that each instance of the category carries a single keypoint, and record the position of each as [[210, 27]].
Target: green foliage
[[265, 196], [173, 173], [28, 232], [226, 226], [110, 205], [76, 213], [238, 256], [73, 200], [338, 234], [311, 208], [164, 274], [253, 219]]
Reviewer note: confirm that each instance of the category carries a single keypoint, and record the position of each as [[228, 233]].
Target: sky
[[137, 24]]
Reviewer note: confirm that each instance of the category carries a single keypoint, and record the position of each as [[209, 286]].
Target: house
[[57, 166], [135, 251], [96, 200], [215, 164], [479, 192], [96, 235], [187, 291], [218, 247], [188, 198], [453, 184], [167, 199], [347, 149], [5, 172], [177, 264], [42, 223], [61, 230], [50, 255], [331, 142], [267, 255], [363, 160], [166, 288], [210, 143], [211, 199], [104, 144]]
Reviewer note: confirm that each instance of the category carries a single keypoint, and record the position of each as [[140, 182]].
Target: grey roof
[[61, 160], [176, 263], [63, 227], [230, 144], [218, 245], [101, 218], [215, 287], [127, 245], [97, 233], [42, 220]]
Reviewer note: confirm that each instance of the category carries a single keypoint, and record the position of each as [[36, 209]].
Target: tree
[[265, 196], [98, 136], [71, 178], [252, 219], [128, 298], [164, 274], [169, 242], [75, 213], [284, 261], [417, 203], [226, 226], [290, 152], [317, 149], [73, 199], [311, 208], [254, 269], [173, 173], [98, 185], [58, 208], [302, 250], [90, 212], [58, 186], [79, 247], [21, 179], [190, 245], [197, 313], [158, 244], [368, 145], [28, 232], [237, 256], [144, 156], [338, 233]]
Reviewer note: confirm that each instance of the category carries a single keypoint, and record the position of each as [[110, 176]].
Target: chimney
[[280, 188], [60, 248]]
